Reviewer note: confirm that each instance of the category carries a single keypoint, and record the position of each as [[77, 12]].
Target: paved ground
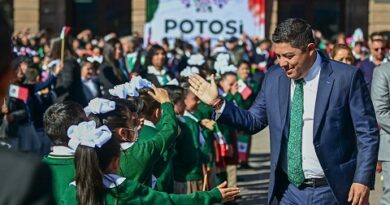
[[254, 183]]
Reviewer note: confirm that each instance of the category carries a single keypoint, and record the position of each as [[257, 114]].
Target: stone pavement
[[254, 183]]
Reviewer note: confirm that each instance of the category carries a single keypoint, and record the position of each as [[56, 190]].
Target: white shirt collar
[[314, 70], [190, 115], [149, 123], [180, 118], [62, 150], [371, 58], [109, 181], [154, 71], [126, 145]]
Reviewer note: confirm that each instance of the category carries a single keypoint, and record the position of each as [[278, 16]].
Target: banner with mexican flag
[[208, 18]]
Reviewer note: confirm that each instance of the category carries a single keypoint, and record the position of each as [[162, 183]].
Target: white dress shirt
[[310, 163]]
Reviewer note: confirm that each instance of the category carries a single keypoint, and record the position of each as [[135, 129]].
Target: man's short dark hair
[[59, 117], [375, 36], [295, 31]]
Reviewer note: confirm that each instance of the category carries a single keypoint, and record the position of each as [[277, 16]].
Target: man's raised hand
[[206, 92]]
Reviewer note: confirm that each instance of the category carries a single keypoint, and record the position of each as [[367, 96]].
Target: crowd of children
[[168, 140], [99, 158]]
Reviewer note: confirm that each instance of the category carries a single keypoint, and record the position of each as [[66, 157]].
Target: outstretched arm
[[252, 120]]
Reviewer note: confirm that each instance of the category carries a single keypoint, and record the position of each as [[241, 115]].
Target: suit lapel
[[284, 97], [325, 85]]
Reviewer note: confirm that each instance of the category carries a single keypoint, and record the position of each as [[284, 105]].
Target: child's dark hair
[[176, 93], [244, 62], [91, 165], [31, 74], [149, 104], [152, 52], [223, 76], [59, 117], [117, 118]]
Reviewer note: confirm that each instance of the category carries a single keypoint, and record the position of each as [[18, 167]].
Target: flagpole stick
[[62, 49], [205, 177]]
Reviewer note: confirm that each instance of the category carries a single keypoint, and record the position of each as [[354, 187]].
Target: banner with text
[[208, 18]]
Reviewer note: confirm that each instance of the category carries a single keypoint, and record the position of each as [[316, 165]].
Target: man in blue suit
[[324, 136]]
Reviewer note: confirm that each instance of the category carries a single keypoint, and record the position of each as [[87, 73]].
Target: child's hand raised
[[228, 194], [4, 109], [59, 68], [160, 95], [209, 124]]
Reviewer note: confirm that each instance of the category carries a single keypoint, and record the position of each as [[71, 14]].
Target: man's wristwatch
[[218, 103]]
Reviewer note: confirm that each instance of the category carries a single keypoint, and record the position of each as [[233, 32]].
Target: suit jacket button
[[317, 145]]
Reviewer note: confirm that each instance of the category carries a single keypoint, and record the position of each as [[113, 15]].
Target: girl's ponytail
[[89, 177]]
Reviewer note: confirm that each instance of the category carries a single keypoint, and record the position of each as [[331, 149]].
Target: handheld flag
[[244, 90], [64, 32], [18, 92]]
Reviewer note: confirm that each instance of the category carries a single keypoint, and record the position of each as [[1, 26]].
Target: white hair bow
[[124, 90], [99, 106], [87, 134], [196, 59], [139, 82], [223, 57], [188, 71], [220, 64], [225, 69], [173, 82]]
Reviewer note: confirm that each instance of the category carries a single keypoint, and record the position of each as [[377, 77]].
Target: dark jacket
[[68, 86], [24, 180]]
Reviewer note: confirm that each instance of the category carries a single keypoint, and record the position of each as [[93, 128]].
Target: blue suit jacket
[[346, 137]]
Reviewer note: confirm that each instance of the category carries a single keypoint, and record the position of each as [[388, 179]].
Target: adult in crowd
[[380, 93], [377, 57], [342, 53], [322, 107], [113, 71], [68, 86], [155, 70], [90, 82], [24, 179]]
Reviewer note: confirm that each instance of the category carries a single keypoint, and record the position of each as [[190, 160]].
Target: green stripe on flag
[[151, 8]]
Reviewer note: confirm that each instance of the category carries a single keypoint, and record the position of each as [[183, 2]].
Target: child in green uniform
[[189, 157], [162, 179], [97, 160], [249, 90], [138, 158], [151, 113], [57, 119], [228, 88]]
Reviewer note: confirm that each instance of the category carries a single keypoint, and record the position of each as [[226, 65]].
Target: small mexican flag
[[221, 142], [242, 151], [18, 92], [65, 30], [244, 90]]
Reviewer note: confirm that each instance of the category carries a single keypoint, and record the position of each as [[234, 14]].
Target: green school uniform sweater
[[205, 111], [137, 162], [63, 172], [162, 169], [133, 193], [188, 158]]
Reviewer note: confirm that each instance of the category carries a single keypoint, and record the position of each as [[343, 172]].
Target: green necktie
[[294, 147]]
